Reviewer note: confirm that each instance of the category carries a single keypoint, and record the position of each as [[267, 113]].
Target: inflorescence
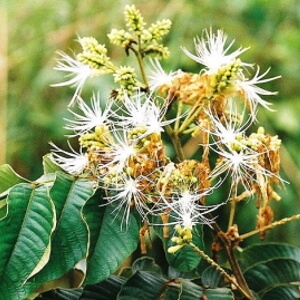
[[123, 143]]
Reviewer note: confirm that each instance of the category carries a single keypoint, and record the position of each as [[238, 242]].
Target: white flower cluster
[[121, 143]]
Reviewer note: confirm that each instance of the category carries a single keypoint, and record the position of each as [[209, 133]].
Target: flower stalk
[[270, 226], [238, 281]]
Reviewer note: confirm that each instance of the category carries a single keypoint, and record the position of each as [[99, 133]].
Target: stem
[[270, 226], [190, 118], [176, 142], [140, 61], [141, 66], [236, 270], [232, 213], [219, 268], [178, 113]]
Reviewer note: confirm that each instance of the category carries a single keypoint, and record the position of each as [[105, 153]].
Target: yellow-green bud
[[159, 29], [134, 20], [177, 240], [120, 37], [175, 248], [261, 130], [126, 77]]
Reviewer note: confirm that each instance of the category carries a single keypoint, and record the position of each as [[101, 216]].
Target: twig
[[219, 268], [270, 226]]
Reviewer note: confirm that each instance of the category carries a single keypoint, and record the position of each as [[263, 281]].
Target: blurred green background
[[32, 31]]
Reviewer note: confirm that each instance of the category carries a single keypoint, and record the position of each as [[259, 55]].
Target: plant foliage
[[83, 229]]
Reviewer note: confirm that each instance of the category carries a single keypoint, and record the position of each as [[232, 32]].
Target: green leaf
[[185, 259], [282, 292], [70, 238], [25, 238], [61, 294], [110, 245], [9, 178], [174, 273], [146, 264], [259, 253], [182, 289], [211, 278], [270, 266], [105, 290], [93, 212], [49, 166], [267, 275], [219, 294], [143, 286], [3, 208]]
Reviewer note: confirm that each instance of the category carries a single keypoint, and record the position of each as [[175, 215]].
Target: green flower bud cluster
[[183, 238], [159, 29], [126, 77], [157, 50], [177, 180], [225, 76], [134, 20], [120, 37], [146, 40], [101, 137], [95, 55]]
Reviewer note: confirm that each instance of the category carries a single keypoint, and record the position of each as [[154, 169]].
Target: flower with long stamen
[[249, 89], [117, 154], [185, 208], [158, 76], [78, 71], [212, 53], [141, 111], [73, 162], [127, 193], [229, 128], [91, 116], [241, 165]]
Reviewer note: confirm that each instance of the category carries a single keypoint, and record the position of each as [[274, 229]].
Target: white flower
[[118, 152], [78, 71], [72, 162], [92, 116], [128, 193], [252, 92], [158, 76], [229, 128], [242, 166], [212, 53], [141, 111], [185, 208]]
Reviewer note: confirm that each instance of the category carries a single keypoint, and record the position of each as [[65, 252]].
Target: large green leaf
[[142, 286], [93, 212], [110, 245], [182, 289], [105, 290], [211, 278], [271, 267], [25, 238], [267, 275], [9, 178], [260, 253], [219, 294], [61, 294], [146, 263], [70, 238], [282, 292]]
